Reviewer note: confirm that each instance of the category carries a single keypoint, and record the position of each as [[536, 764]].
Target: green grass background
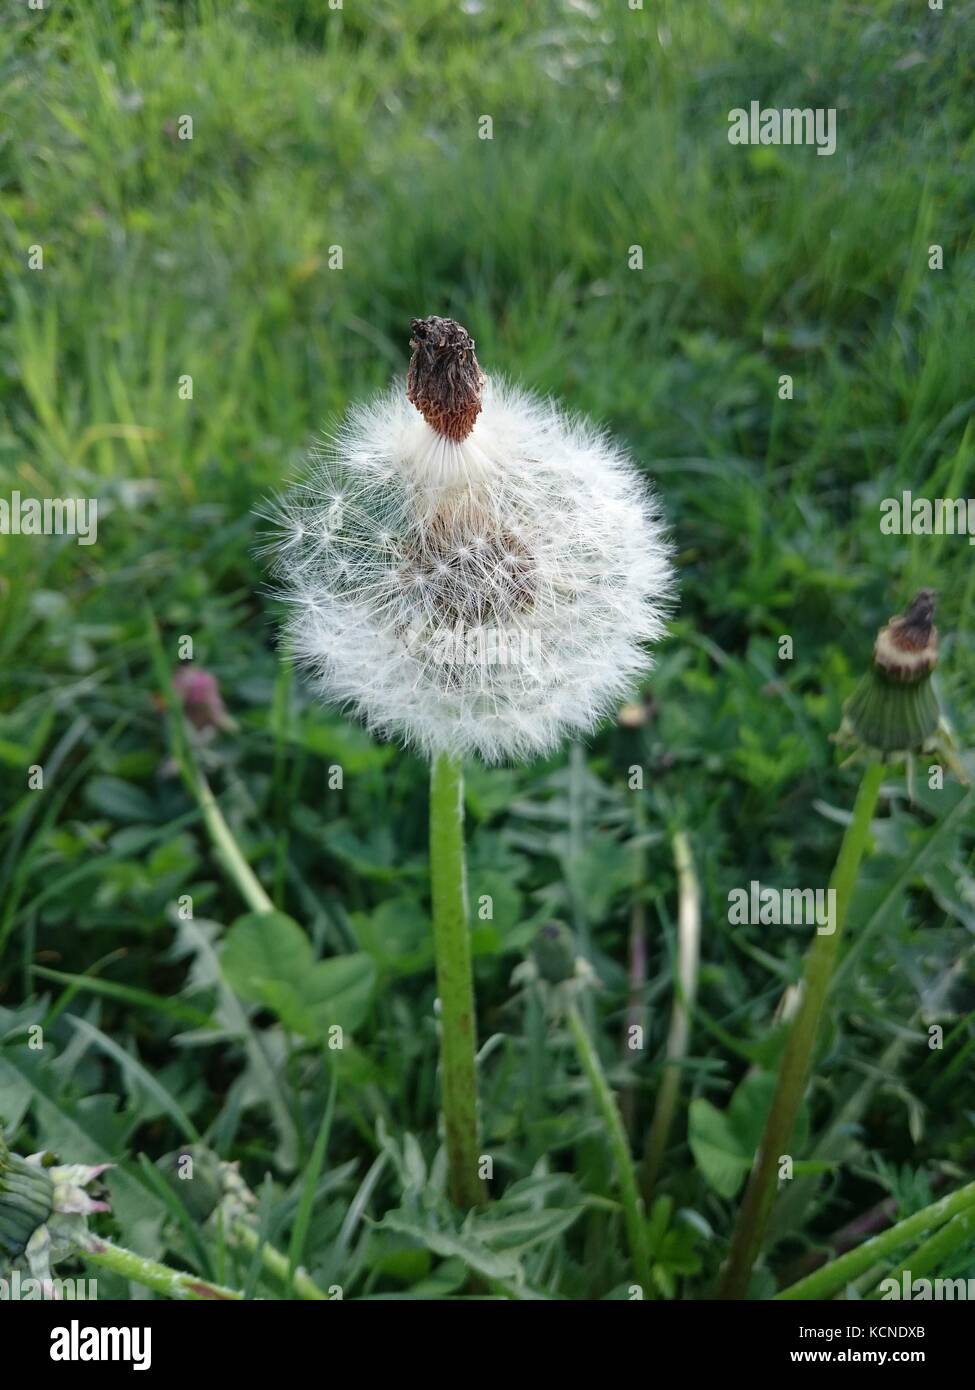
[[315, 128]]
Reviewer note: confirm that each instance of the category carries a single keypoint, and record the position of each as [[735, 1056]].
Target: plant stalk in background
[[633, 1213], [180, 707], [223, 840], [688, 953]]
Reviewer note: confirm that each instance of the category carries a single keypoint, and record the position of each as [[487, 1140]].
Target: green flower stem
[[275, 1263], [932, 1253], [832, 1278], [794, 1068], [227, 847], [171, 1283], [199, 788], [455, 986], [633, 1214], [688, 952]]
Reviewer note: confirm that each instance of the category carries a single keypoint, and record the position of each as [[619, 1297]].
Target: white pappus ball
[[467, 566]]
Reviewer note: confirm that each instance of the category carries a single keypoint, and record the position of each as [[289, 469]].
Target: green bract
[[891, 716], [26, 1202]]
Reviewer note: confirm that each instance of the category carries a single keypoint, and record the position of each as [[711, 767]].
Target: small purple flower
[[199, 693]]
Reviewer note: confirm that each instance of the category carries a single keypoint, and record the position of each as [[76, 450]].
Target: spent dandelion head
[[894, 709], [894, 712], [44, 1210], [468, 567]]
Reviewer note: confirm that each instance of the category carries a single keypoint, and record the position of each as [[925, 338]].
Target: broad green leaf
[[724, 1142], [350, 748], [716, 1149], [264, 946], [334, 992], [397, 935], [268, 960], [122, 801]]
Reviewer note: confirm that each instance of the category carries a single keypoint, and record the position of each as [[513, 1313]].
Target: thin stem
[[227, 847], [633, 1214], [836, 1140], [199, 788], [794, 1068], [636, 1009], [688, 953], [276, 1263], [932, 1253], [172, 1283], [829, 1280], [455, 986]]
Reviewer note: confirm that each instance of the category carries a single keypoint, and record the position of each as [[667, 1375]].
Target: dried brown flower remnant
[[444, 380], [907, 648]]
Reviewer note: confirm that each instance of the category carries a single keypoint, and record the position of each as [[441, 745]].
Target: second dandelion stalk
[[893, 713], [797, 1059]]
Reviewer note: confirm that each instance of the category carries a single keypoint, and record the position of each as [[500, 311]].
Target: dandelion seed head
[[479, 593]]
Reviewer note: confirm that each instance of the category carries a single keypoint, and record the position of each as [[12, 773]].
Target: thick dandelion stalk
[[455, 988]]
